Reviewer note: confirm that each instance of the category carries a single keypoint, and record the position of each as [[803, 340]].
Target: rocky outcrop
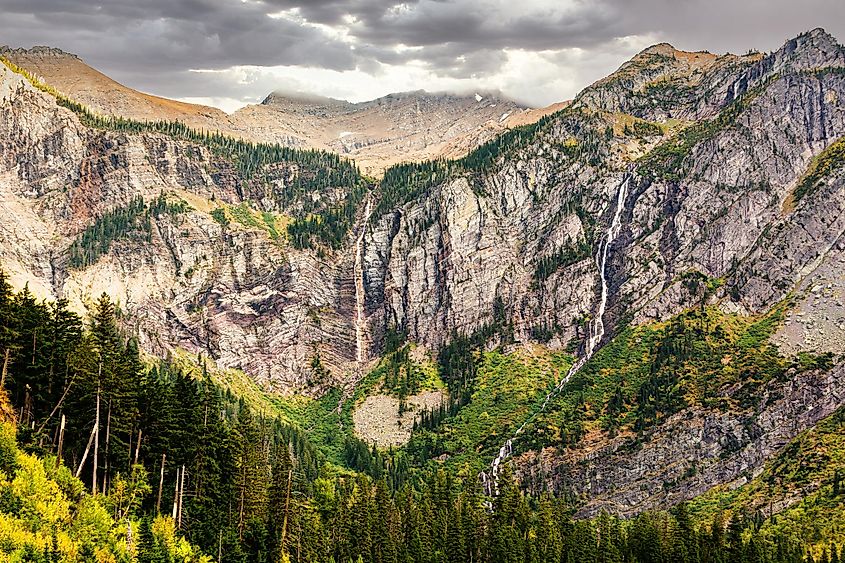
[[691, 452], [230, 293]]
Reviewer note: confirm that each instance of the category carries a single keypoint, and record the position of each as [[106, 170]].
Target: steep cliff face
[[690, 453], [228, 291], [712, 203], [736, 197]]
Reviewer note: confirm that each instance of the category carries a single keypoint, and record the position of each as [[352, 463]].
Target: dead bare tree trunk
[[241, 507], [26, 415], [220, 546], [138, 448], [61, 441], [106, 464], [58, 405], [5, 368], [96, 439], [85, 454], [53, 442], [128, 535], [181, 499], [285, 520], [160, 484], [176, 495]]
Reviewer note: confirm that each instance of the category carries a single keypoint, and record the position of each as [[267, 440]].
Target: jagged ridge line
[[175, 129]]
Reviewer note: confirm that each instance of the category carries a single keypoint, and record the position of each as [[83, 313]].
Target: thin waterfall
[[596, 333], [358, 271], [360, 313]]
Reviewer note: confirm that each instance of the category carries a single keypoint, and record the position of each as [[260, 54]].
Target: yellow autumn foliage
[[47, 515]]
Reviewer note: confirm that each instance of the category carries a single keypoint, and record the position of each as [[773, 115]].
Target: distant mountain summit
[[662, 82], [404, 126], [306, 104]]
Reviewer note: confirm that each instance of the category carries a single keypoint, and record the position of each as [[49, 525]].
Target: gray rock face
[[445, 261], [690, 452], [440, 263], [232, 294], [663, 83]]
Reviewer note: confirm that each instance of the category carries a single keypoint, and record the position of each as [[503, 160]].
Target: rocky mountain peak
[[303, 104], [299, 99], [663, 82], [819, 38], [664, 60], [401, 126], [665, 49], [811, 50], [444, 101], [36, 51], [280, 97]]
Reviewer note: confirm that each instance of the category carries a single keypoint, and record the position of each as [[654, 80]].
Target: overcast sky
[[232, 52]]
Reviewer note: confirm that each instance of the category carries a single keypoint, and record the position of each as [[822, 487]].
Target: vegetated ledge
[[807, 475], [652, 432], [823, 165], [667, 160], [694, 450]]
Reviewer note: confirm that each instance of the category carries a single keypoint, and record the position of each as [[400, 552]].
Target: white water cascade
[[596, 333], [360, 313], [358, 271]]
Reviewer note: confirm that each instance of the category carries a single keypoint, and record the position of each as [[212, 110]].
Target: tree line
[[130, 220]]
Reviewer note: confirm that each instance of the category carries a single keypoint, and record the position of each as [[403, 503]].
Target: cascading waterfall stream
[[360, 314], [360, 340], [596, 333]]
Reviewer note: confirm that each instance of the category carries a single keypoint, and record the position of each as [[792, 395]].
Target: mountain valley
[[429, 327]]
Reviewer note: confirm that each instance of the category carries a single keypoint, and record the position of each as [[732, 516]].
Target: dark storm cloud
[[333, 12], [165, 35], [153, 44], [492, 25], [729, 25]]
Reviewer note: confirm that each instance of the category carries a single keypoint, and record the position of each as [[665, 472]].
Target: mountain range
[[631, 300], [376, 134]]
